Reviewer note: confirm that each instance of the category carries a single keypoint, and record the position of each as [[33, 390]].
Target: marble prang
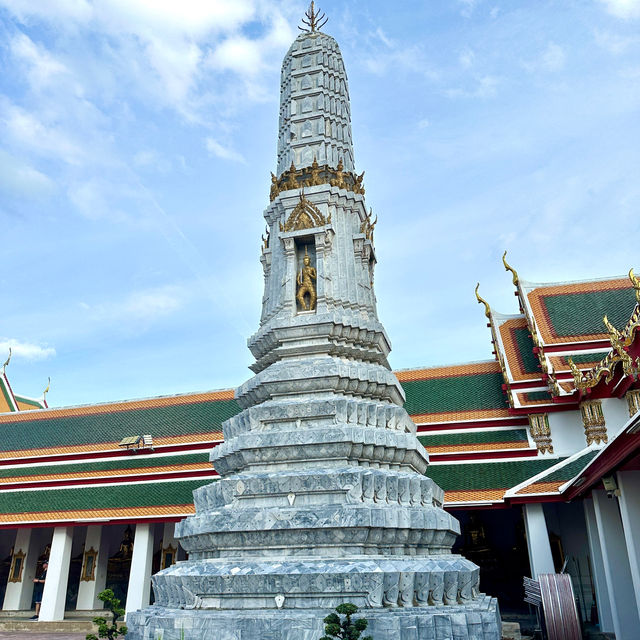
[[322, 496]]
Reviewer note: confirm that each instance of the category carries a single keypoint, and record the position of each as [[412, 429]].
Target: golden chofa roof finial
[[44, 393], [313, 20], [635, 281], [508, 267], [481, 300], [6, 364]]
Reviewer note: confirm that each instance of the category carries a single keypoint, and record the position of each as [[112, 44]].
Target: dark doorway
[[495, 540]]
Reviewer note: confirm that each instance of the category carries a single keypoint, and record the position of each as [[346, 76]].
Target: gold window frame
[[166, 551], [89, 562], [17, 558]]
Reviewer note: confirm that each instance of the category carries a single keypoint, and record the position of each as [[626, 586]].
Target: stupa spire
[[315, 114]]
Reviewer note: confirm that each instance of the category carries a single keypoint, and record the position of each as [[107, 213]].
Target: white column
[[629, 485], [139, 590], [19, 594], [599, 578], [616, 566], [540, 557], [88, 590], [55, 586]]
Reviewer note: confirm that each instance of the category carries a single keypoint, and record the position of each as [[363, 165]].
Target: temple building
[[537, 448]]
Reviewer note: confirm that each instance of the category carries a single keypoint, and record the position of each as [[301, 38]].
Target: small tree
[[346, 629], [106, 630]]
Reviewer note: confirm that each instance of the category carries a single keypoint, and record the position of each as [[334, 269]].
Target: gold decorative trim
[[541, 432], [508, 267], [169, 555], [481, 300], [17, 565], [304, 216], [595, 429], [633, 401], [89, 562], [315, 175], [619, 341], [367, 226], [635, 281]]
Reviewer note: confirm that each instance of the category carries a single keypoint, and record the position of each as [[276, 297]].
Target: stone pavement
[[45, 635]]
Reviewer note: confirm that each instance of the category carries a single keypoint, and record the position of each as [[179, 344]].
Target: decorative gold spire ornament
[[275, 190], [314, 20], [292, 182], [6, 364], [44, 393], [635, 281], [305, 284], [508, 267], [481, 300]]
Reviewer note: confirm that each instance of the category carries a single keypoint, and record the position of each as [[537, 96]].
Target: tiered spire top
[[315, 114]]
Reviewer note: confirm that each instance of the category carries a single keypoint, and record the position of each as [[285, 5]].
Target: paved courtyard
[[23, 635]]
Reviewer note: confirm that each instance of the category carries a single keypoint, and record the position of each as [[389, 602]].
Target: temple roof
[[471, 391], [570, 312]]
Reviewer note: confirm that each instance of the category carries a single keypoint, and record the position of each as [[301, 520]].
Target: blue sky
[[137, 137]]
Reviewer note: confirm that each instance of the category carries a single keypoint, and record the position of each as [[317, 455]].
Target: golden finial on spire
[[508, 267], [635, 281], [44, 393], [6, 364], [481, 300], [313, 20]]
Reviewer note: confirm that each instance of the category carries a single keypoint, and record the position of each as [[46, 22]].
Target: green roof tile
[[456, 393], [529, 360], [487, 475], [475, 437], [574, 314], [587, 358], [65, 431], [133, 462], [533, 396], [142, 494], [572, 469]]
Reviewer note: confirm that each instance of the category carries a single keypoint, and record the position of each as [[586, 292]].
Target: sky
[[137, 137]]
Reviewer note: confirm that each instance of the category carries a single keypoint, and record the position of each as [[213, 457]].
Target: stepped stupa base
[[478, 620]]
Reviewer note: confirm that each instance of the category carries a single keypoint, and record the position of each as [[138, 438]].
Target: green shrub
[[347, 629], [105, 629]]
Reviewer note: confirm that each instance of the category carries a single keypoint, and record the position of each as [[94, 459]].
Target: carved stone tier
[[322, 497]]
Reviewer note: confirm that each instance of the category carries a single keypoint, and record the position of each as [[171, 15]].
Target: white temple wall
[[567, 432], [616, 414]]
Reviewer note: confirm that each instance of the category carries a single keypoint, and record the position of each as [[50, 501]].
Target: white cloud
[[467, 7], [19, 178], [466, 58], [138, 308], [484, 87], [42, 66], [26, 350], [30, 132], [554, 57], [238, 54], [223, 152], [626, 9], [613, 42]]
